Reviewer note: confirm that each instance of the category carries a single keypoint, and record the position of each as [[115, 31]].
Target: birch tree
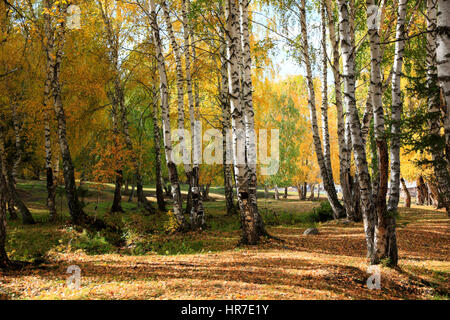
[[54, 60], [197, 213], [173, 173], [397, 108], [4, 260], [224, 100], [338, 210], [48, 47], [362, 168], [443, 75], [344, 147], [6, 172], [324, 109], [251, 222]]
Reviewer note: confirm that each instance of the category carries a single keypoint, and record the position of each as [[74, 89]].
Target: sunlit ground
[[330, 265]]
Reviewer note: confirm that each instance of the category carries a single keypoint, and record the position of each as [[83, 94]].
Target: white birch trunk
[[180, 90], [385, 236], [397, 107], [443, 76], [173, 174], [324, 110], [197, 214], [250, 234], [362, 168], [338, 210]]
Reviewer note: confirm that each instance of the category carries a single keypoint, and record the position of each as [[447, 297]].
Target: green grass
[[142, 234]]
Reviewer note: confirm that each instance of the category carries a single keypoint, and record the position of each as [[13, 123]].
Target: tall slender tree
[[328, 183], [358, 146], [439, 18], [251, 221], [173, 173]]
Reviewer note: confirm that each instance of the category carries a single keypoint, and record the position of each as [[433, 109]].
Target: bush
[[168, 247], [321, 214], [92, 244], [172, 225]]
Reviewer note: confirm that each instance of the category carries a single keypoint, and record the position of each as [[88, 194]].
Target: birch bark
[[249, 222], [197, 213], [397, 108], [226, 127], [324, 109], [385, 235], [173, 174], [443, 76], [4, 260], [344, 147], [51, 181], [338, 210], [362, 168]]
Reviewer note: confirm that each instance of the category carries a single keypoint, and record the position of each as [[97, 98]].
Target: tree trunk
[[116, 205], [435, 197], [338, 210], [227, 159], [438, 65], [126, 187], [443, 73], [205, 192], [130, 198], [4, 261], [54, 57], [247, 104], [385, 237], [249, 215], [18, 141], [27, 218], [11, 209], [285, 193], [420, 200], [407, 194], [348, 57], [157, 139], [344, 146], [173, 174], [180, 102], [356, 198], [324, 109], [196, 211], [304, 190], [397, 108], [312, 187], [277, 194]]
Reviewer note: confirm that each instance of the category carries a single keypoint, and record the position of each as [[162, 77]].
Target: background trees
[[99, 102]]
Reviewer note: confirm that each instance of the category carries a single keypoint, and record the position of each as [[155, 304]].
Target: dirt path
[[327, 266]]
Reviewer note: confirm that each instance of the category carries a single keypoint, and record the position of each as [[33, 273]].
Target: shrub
[[92, 244], [321, 214], [172, 225]]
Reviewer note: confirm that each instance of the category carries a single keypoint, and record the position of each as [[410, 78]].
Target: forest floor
[[153, 264]]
